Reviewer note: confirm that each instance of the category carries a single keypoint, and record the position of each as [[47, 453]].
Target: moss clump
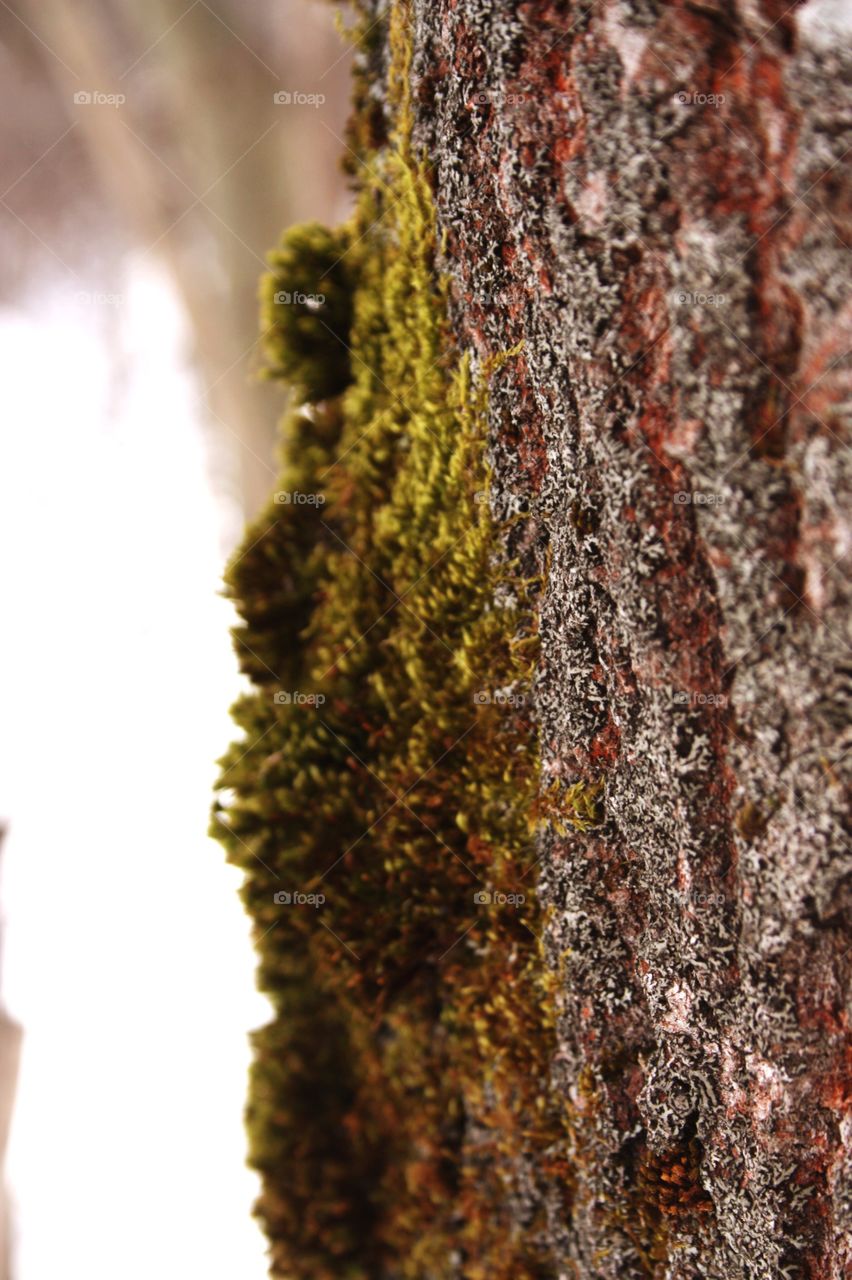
[[306, 311], [579, 806], [399, 1097], [656, 1198], [665, 1195], [751, 820]]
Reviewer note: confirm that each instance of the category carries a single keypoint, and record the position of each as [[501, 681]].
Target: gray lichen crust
[[655, 200]]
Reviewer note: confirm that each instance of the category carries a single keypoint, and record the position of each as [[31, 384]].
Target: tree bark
[[655, 200]]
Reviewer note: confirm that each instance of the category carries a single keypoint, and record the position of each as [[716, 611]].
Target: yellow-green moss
[[579, 805], [306, 311], [404, 1076]]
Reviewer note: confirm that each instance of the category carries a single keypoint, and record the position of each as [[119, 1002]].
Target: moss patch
[[381, 798], [306, 311]]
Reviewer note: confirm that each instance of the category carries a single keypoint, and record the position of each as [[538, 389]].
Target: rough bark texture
[[654, 199]]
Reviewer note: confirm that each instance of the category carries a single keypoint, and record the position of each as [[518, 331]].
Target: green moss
[[579, 806], [403, 1080], [306, 311]]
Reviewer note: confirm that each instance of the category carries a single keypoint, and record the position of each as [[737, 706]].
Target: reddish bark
[[654, 199]]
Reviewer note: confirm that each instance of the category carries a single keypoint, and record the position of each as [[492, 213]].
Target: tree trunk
[[640, 241], [654, 199]]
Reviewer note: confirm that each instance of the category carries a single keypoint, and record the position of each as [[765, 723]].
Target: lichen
[[684, 654]]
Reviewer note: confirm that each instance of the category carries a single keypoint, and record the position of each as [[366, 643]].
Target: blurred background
[[150, 155]]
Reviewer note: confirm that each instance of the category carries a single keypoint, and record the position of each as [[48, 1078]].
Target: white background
[[126, 953]]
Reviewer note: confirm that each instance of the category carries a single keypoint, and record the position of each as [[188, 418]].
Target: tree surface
[[641, 219], [655, 199]]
